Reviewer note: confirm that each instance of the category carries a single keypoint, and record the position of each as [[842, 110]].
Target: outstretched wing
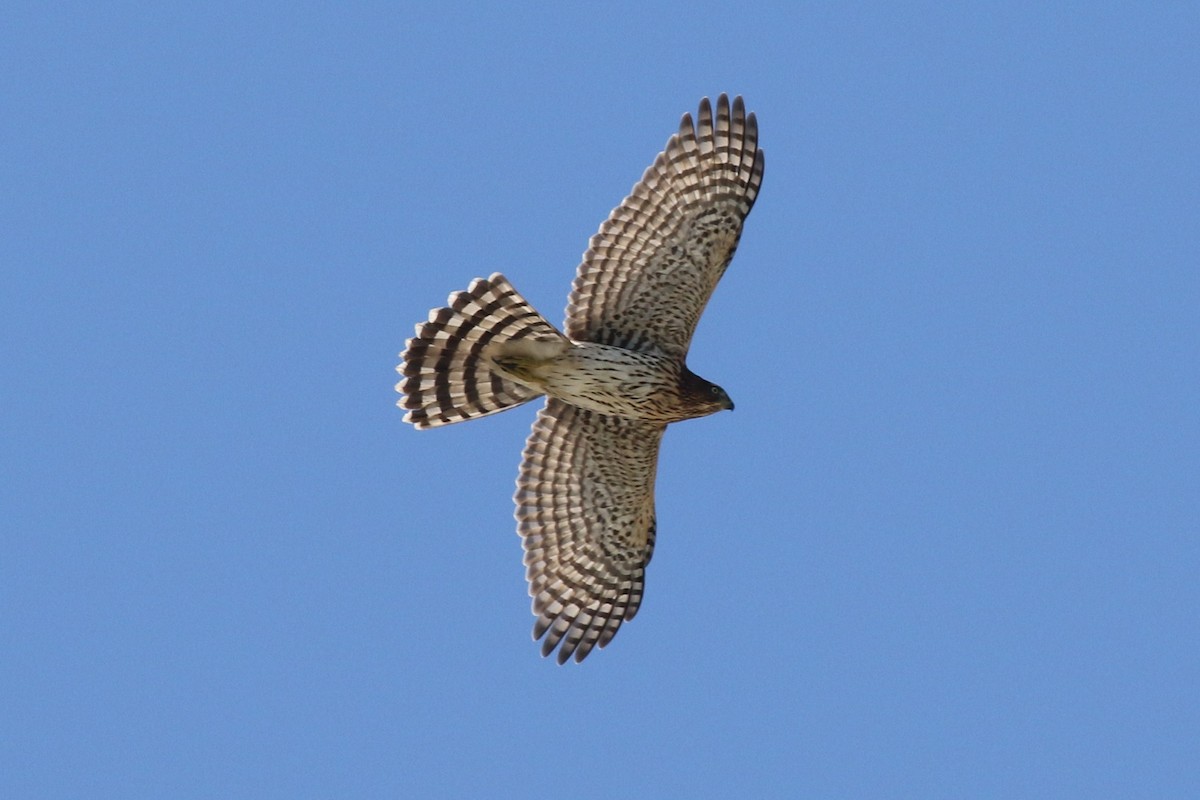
[[585, 513], [649, 272]]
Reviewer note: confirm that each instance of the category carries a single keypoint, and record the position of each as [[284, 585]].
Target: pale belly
[[610, 380]]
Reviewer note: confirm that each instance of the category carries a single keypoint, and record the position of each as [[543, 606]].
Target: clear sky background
[[948, 545]]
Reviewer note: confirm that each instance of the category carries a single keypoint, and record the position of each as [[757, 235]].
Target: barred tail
[[447, 378]]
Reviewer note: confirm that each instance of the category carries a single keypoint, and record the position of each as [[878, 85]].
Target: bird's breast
[[612, 380]]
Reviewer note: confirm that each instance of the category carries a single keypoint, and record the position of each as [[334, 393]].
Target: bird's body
[[614, 377], [612, 380]]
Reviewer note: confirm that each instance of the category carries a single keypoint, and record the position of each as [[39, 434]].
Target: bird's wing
[[656, 260], [585, 513]]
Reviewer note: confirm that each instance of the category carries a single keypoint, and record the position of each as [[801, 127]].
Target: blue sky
[[947, 546]]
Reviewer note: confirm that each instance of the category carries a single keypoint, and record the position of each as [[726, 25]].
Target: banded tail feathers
[[447, 374]]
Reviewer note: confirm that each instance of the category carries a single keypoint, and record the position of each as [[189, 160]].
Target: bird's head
[[703, 396]]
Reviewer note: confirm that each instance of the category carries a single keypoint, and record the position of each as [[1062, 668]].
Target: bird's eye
[[715, 390]]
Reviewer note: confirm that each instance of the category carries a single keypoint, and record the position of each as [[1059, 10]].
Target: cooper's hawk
[[613, 380]]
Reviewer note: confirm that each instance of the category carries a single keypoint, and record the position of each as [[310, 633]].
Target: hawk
[[613, 378]]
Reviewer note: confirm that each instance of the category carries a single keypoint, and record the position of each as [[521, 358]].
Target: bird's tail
[[447, 374]]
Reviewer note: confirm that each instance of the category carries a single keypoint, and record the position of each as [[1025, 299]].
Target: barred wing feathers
[[585, 513], [649, 272]]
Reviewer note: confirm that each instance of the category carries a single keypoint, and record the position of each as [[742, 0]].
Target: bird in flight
[[613, 378]]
